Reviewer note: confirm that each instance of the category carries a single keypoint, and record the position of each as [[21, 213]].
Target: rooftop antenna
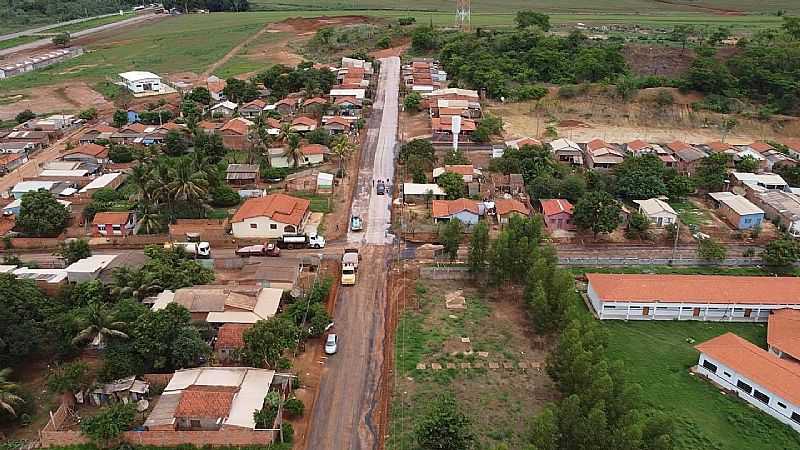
[[463, 9]]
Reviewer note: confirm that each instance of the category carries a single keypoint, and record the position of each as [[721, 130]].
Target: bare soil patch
[[70, 97], [670, 62]]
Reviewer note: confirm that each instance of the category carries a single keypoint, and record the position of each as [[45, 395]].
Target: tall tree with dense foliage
[[478, 248], [23, 313], [781, 252], [452, 184], [98, 326], [528, 18], [710, 250], [166, 269], [266, 342], [450, 235], [166, 340], [515, 250], [41, 214], [641, 177], [597, 212], [105, 428], [444, 427], [711, 172], [412, 101], [74, 250]]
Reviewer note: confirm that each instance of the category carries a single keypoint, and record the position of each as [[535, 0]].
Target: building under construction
[[39, 61]]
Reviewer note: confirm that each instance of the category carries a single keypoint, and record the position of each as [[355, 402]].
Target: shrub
[[120, 154], [529, 92], [288, 432], [109, 424], [25, 116], [224, 197], [294, 407], [572, 90], [406, 21], [274, 172], [384, 42]]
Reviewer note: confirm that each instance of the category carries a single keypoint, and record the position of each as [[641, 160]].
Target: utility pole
[[675, 245], [463, 11]]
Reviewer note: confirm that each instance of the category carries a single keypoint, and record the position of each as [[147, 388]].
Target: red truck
[[268, 249]]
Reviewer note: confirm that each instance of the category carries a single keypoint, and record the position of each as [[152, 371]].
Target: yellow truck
[[349, 266]]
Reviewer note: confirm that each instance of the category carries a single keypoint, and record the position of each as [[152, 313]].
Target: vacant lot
[[658, 355], [499, 401]]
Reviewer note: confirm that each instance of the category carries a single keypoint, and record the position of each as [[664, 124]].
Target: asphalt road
[[6, 37], [347, 407], [48, 41]]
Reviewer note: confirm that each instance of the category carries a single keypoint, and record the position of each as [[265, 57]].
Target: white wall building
[[690, 297], [140, 82], [658, 211], [756, 376]]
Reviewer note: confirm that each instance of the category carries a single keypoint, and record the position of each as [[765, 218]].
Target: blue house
[[466, 210], [133, 116], [739, 211]]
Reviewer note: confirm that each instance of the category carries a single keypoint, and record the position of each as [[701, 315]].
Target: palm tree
[[99, 327], [8, 399], [286, 131], [342, 148], [261, 137], [149, 218], [134, 283], [293, 152], [187, 183]]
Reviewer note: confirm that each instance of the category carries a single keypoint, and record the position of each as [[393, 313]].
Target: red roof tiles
[[89, 149], [113, 218], [506, 206], [783, 331], [446, 208], [555, 206], [278, 207], [210, 402], [231, 335]]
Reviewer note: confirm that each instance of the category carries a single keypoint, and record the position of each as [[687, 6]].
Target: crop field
[[657, 355], [549, 6]]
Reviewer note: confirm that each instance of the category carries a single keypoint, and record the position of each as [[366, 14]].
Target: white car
[[331, 344]]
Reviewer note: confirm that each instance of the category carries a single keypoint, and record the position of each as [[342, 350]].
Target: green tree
[[24, 116], [200, 95], [41, 214], [597, 211], [710, 250], [62, 39], [453, 185], [444, 427], [641, 177], [266, 342], [638, 225], [175, 143], [528, 18], [165, 340], [73, 250], [782, 252], [450, 236], [23, 313], [747, 164], [479, 248], [792, 26], [412, 101], [679, 186], [98, 326], [88, 114], [711, 172], [424, 39], [456, 158], [293, 152], [104, 428], [68, 378], [120, 154], [9, 398], [120, 118]]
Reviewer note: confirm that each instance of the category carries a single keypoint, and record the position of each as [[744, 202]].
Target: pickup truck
[[349, 266], [268, 249], [301, 241]]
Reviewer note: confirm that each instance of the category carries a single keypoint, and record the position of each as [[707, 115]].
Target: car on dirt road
[[331, 344], [356, 224], [381, 188]]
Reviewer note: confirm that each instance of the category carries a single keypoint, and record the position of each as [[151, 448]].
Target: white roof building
[[88, 269], [761, 181], [137, 75], [63, 173], [422, 189], [49, 276], [453, 91], [23, 187], [658, 211], [101, 181], [359, 94]]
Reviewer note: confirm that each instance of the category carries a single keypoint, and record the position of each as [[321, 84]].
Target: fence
[[683, 262]]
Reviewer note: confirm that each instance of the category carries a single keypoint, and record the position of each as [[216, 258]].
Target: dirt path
[[233, 52]]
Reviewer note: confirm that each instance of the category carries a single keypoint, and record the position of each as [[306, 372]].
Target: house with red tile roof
[[252, 109], [601, 155], [338, 125], [467, 171], [285, 106], [688, 156], [509, 207], [639, 147], [758, 377], [230, 340], [691, 297], [313, 154], [304, 124], [235, 132], [557, 214], [270, 217], [517, 144], [110, 224], [93, 153], [465, 210]]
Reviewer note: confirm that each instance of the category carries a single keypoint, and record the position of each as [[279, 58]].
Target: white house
[[87, 269], [758, 377], [141, 82], [658, 211], [713, 298], [270, 217], [419, 192], [225, 109], [23, 187]]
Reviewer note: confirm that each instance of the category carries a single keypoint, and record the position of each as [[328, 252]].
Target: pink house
[[557, 214]]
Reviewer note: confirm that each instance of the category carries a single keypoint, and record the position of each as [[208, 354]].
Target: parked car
[[381, 188], [331, 344], [356, 224]]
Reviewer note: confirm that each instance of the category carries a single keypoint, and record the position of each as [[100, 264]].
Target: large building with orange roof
[[691, 297], [270, 217]]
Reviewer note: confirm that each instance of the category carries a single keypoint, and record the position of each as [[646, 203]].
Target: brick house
[[557, 214], [114, 223], [234, 133]]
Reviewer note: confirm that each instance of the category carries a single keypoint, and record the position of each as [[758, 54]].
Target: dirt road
[[348, 408], [36, 161]]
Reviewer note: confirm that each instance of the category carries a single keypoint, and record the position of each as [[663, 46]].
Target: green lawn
[[319, 203], [690, 214], [8, 43], [657, 356]]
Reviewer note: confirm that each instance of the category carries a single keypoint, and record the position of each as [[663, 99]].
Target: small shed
[[658, 211], [324, 182], [557, 214], [241, 174], [125, 390]]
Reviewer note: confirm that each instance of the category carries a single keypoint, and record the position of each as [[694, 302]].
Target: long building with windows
[[760, 378], [690, 297]]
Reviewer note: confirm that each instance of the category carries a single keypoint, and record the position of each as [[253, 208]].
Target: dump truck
[[266, 249], [349, 266]]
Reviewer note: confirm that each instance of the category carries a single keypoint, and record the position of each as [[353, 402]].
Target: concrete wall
[[225, 437]]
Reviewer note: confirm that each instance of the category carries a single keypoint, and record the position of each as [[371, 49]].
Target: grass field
[[657, 356], [8, 43], [490, 6]]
